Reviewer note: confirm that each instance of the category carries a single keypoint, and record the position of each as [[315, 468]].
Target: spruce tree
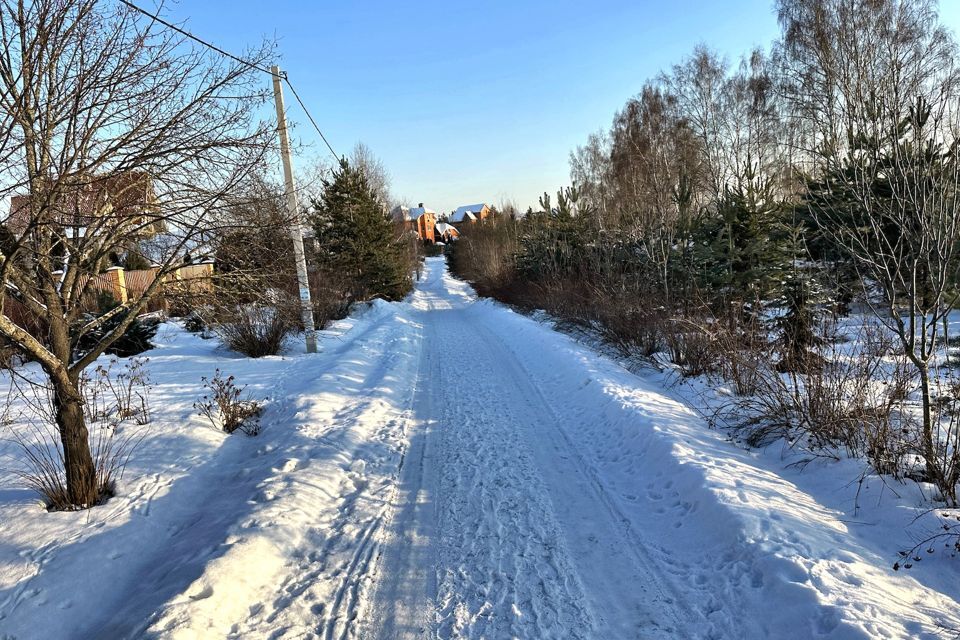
[[357, 240], [746, 250], [797, 326]]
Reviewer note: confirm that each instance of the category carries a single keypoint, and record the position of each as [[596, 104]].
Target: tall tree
[[357, 239], [111, 128], [373, 168], [875, 85]]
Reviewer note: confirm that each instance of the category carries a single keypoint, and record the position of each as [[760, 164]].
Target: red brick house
[[471, 213], [419, 219]]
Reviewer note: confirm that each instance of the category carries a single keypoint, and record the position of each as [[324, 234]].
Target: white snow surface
[[467, 212], [548, 493]]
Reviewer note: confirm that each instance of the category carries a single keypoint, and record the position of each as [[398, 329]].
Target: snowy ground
[[447, 468]]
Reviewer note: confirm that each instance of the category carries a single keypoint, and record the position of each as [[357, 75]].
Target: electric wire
[[283, 75]]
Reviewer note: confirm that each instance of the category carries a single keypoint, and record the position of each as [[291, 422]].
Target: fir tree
[[356, 238], [136, 339], [797, 326], [747, 248]]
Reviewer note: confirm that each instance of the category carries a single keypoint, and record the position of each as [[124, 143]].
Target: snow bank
[[214, 535]]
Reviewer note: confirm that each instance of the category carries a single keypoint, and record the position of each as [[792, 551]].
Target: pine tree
[[745, 251], [554, 245], [357, 240], [859, 204]]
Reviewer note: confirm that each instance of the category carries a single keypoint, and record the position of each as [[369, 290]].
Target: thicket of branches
[[734, 212], [354, 252], [113, 129]]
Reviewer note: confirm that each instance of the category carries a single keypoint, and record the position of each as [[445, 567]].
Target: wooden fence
[[124, 285], [190, 281]]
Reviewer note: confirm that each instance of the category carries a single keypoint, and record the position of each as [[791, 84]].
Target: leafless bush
[[842, 403], [741, 349], [227, 407], [254, 330], [330, 293], [946, 534], [629, 320], [485, 254], [945, 461], [692, 346], [123, 395]]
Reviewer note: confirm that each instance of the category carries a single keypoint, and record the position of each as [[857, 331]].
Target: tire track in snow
[[473, 550], [320, 508], [691, 617], [505, 570], [329, 583], [402, 602]]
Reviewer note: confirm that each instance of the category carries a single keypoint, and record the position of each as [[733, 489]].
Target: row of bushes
[[732, 213], [796, 370]]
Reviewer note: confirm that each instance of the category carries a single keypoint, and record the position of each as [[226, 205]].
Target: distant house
[[419, 219], [447, 232], [96, 202], [471, 213]]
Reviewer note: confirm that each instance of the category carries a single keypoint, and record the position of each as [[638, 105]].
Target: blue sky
[[470, 102]]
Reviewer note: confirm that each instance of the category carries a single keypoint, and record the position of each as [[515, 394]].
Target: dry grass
[[40, 464]]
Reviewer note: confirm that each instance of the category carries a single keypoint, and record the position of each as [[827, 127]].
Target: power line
[[310, 117], [283, 75], [196, 39]]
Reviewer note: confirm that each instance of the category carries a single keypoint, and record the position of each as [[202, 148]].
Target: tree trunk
[[78, 463], [929, 452]]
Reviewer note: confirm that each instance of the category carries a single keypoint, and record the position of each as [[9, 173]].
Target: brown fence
[[136, 282], [21, 315]]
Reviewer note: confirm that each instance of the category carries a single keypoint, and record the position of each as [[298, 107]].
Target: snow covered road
[[447, 468], [502, 531], [547, 493]]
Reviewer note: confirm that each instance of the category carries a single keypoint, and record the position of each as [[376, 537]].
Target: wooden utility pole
[[296, 231]]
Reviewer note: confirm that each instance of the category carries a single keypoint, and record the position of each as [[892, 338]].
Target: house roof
[[400, 214], [408, 214], [92, 199], [443, 227], [467, 212], [416, 212]]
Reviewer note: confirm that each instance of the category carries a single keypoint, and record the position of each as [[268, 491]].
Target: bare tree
[[655, 171], [875, 86], [250, 243], [590, 174], [111, 129], [364, 157], [697, 86]]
